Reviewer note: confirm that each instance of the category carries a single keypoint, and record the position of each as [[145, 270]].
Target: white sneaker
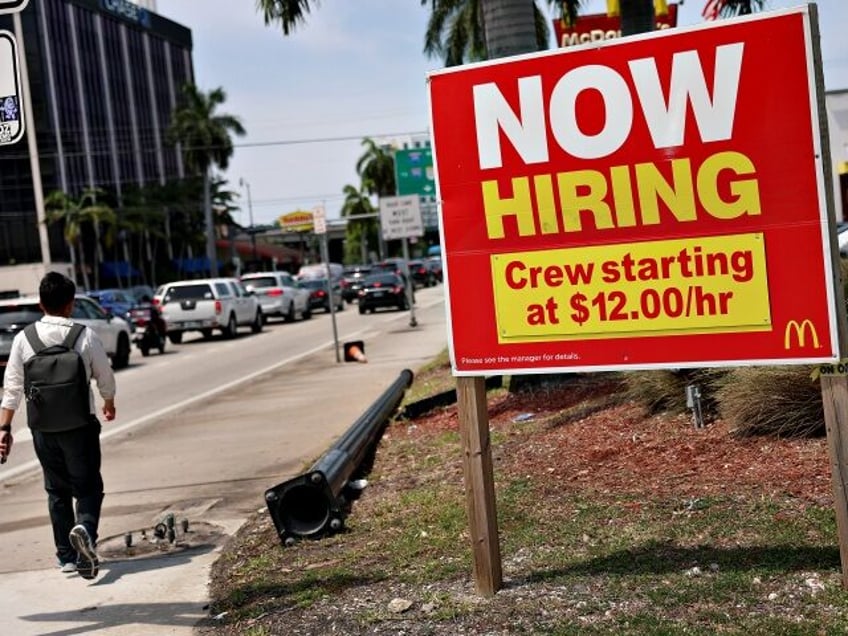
[[87, 562], [68, 568]]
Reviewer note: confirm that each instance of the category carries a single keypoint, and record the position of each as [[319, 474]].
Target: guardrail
[[317, 502]]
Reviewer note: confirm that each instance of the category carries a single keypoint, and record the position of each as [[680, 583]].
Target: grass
[[579, 557]]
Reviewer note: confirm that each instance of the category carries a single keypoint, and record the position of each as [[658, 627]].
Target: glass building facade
[[104, 77]]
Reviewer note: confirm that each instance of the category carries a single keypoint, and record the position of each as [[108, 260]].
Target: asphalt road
[[202, 431]]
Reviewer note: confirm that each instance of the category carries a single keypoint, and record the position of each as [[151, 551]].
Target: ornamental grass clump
[[664, 391], [778, 401]]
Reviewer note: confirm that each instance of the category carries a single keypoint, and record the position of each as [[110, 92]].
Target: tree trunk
[[73, 252], [637, 16], [509, 26], [127, 260], [98, 254], [210, 227], [85, 280], [149, 255], [168, 238]]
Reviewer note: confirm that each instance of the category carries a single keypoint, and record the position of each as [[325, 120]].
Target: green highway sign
[[414, 172]]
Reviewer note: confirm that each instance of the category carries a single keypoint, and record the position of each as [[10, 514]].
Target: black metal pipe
[[317, 502]]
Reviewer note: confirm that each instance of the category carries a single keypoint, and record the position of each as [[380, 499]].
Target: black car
[[351, 282], [319, 294], [422, 276], [382, 290]]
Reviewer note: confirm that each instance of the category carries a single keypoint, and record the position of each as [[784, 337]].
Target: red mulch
[[621, 449]]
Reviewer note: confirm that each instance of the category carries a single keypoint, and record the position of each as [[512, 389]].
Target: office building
[[104, 77]]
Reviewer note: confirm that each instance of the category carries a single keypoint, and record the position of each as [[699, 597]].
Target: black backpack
[[56, 384]]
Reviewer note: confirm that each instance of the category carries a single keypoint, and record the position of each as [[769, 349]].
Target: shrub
[[779, 401], [665, 390]]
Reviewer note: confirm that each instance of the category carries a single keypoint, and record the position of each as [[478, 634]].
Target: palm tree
[[376, 168], [206, 140], [456, 33], [511, 26], [637, 16], [75, 213], [358, 204], [740, 7]]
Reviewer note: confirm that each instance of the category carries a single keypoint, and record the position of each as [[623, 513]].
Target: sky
[[356, 69]]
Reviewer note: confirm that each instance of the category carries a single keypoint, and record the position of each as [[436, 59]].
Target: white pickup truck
[[206, 305]]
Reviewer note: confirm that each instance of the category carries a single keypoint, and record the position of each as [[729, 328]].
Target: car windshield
[[189, 292], [260, 282], [382, 280]]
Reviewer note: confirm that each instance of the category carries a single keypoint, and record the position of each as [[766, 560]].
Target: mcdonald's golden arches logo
[[800, 329]]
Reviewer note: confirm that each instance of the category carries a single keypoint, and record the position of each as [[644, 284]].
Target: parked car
[[113, 331], [352, 278], [209, 304], [279, 295], [385, 289], [319, 294], [422, 276], [118, 301]]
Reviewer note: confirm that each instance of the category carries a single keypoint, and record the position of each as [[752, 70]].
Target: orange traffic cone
[[355, 351]]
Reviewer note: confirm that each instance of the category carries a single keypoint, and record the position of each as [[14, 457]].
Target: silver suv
[[279, 294], [208, 304]]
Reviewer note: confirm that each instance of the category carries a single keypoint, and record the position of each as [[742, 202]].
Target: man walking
[[61, 414]]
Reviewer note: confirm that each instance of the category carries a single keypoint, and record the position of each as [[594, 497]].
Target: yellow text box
[[694, 285]]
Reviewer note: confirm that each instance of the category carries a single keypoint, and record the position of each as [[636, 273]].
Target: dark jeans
[[71, 464]]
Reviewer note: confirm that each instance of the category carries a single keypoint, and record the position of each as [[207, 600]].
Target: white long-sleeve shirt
[[52, 330]]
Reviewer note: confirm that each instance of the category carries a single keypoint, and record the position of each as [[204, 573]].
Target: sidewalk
[[162, 594]]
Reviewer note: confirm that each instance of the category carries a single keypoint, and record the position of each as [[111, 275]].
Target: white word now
[[526, 130]]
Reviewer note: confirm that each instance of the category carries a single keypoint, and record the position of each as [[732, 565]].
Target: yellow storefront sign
[[297, 221]]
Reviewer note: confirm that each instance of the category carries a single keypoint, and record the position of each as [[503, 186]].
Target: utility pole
[[246, 186]]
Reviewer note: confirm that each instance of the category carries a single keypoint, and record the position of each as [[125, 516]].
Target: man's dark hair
[[55, 292]]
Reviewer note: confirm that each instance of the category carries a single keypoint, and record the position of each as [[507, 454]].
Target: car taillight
[[320, 293], [218, 307], [275, 292], [155, 302], [378, 284], [397, 290]]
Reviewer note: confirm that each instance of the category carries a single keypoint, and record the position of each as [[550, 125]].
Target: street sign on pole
[[11, 115], [12, 6], [319, 219], [400, 217]]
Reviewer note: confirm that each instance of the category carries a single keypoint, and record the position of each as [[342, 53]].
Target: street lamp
[[246, 186]]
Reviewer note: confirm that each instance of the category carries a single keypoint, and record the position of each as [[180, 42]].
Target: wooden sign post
[[479, 483]]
